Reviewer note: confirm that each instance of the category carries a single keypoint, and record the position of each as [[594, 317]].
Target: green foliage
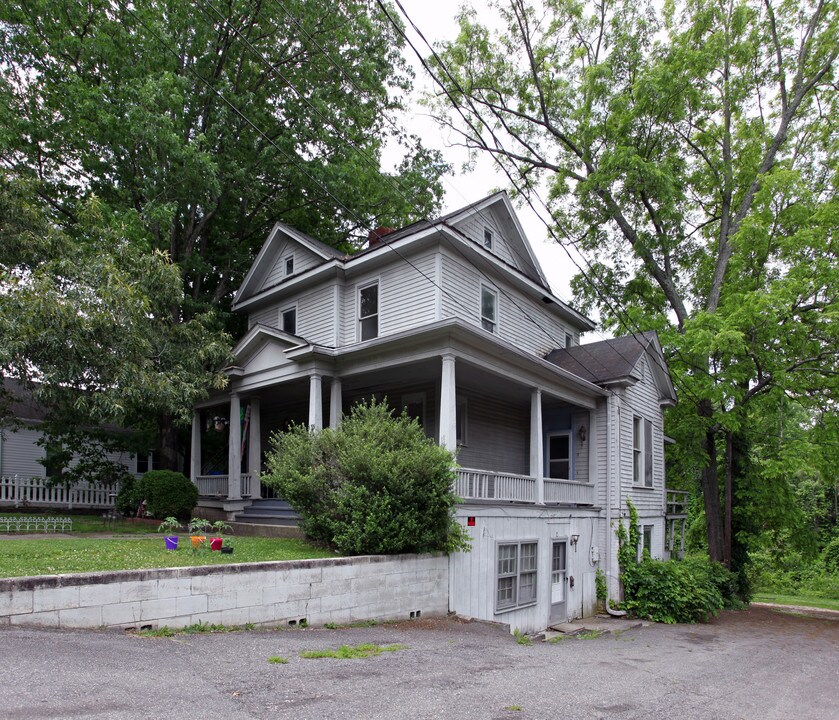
[[352, 652], [703, 194], [374, 485], [670, 591], [165, 493], [170, 525], [522, 638], [830, 556], [600, 587], [277, 660]]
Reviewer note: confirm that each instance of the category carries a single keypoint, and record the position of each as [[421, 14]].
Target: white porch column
[[195, 448], [448, 405], [315, 403], [234, 451], [255, 448], [335, 406], [536, 444]]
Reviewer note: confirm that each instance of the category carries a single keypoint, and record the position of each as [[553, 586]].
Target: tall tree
[[209, 121], [689, 153]]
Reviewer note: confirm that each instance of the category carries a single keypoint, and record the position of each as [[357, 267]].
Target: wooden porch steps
[[269, 512]]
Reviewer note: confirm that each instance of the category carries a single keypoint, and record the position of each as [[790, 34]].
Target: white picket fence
[[16, 491]]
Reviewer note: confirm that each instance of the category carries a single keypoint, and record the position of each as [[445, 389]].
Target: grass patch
[[352, 652], [521, 638], [802, 600], [51, 556], [194, 629], [277, 660], [590, 635], [514, 708]]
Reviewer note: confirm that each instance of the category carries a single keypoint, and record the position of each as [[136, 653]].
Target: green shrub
[[374, 485], [165, 492], [830, 556], [670, 591]]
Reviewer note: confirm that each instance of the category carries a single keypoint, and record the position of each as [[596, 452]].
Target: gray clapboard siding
[[522, 322], [473, 228], [304, 259], [407, 297], [581, 468], [498, 435], [268, 316], [316, 316], [20, 454]]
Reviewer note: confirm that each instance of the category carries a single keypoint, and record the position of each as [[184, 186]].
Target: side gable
[[495, 215], [284, 243]]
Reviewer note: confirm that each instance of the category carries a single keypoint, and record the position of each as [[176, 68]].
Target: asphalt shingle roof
[[604, 361]]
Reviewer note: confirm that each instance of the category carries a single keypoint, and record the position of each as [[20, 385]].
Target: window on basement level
[[488, 238], [289, 265], [515, 575], [645, 541], [489, 312], [368, 311], [289, 321]]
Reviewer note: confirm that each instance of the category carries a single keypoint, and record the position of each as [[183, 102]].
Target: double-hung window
[[515, 575], [559, 456], [289, 320], [642, 452], [489, 309], [368, 311]]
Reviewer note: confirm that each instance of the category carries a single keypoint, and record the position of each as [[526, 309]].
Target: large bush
[[374, 485], [165, 492], [670, 591]]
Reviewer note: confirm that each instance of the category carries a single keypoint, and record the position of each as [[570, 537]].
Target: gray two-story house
[[454, 320]]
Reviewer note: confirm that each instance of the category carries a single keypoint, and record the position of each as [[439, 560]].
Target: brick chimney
[[374, 237]]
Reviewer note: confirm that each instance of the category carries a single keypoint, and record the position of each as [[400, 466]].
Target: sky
[[435, 18]]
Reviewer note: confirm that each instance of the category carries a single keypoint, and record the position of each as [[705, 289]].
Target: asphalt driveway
[[759, 664]]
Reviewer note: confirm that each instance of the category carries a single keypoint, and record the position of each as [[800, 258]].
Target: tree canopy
[[201, 124], [688, 152]]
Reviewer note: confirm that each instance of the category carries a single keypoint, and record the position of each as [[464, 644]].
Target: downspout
[[609, 463]]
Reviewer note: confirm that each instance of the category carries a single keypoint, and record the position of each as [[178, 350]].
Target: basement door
[[559, 578]]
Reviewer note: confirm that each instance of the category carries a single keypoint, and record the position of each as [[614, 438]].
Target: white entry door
[[559, 577]]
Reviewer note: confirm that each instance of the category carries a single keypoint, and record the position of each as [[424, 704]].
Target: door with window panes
[[559, 576]]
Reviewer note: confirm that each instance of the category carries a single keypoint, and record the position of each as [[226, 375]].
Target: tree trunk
[[711, 490], [169, 442], [729, 498]]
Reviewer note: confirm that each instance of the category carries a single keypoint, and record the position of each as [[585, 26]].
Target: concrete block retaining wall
[[338, 590]]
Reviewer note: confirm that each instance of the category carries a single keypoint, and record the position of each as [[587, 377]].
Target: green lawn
[[802, 600], [50, 556]]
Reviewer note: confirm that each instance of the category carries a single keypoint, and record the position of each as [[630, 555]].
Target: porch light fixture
[[581, 433], [574, 539], [217, 423]]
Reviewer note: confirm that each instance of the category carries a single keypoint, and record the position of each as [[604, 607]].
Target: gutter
[[609, 463]]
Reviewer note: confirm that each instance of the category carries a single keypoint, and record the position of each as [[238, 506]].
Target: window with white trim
[[516, 576], [460, 421], [488, 238], [645, 541], [489, 309], [559, 456], [368, 311], [288, 320], [289, 265], [146, 462], [642, 452]]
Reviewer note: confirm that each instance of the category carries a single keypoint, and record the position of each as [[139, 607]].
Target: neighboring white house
[[25, 468], [455, 321]]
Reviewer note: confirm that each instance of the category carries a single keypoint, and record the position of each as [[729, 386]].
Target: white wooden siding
[[407, 297], [473, 228], [521, 321], [265, 316], [497, 435], [304, 259], [315, 316]]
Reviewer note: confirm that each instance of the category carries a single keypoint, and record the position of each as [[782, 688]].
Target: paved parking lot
[[757, 664]]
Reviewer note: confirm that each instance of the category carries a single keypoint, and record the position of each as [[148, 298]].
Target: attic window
[[289, 265], [488, 238], [569, 340]]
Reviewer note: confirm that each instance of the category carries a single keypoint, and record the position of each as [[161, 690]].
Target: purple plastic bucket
[[172, 543]]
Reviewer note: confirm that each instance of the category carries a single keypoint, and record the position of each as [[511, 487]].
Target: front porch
[[516, 443]]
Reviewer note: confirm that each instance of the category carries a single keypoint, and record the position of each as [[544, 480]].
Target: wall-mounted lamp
[[574, 540], [581, 433], [217, 423]]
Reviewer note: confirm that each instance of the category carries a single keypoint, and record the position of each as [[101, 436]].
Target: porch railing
[[677, 503], [488, 485], [216, 485], [568, 491], [19, 490]]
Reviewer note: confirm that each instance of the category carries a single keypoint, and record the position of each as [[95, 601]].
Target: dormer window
[[488, 238], [368, 311], [489, 309], [289, 265]]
